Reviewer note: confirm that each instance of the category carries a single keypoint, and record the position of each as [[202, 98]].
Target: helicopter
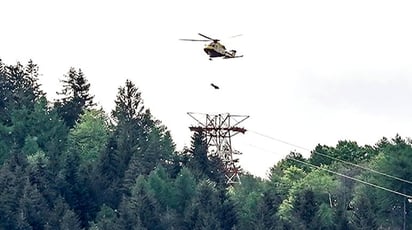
[[215, 48]]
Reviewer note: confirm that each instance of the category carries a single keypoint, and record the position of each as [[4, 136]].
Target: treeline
[[66, 164]]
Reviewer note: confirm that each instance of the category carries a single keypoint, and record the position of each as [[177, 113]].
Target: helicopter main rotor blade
[[194, 40], [207, 37], [237, 35]]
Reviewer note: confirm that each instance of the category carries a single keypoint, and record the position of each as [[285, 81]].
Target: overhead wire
[[409, 197], [334, 158], [353, 178]]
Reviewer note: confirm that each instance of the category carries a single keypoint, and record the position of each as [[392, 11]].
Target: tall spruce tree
[[203, 212], [19, 93], [19, 88], [138, 135], [129, 134], [199, 161], [76, 97], [141, 209], [12, 181]]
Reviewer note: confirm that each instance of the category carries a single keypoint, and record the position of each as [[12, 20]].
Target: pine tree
[[39, 174], [106, 219], [62, 217], [33, 206], [141, 142], [129, 134], [12, 181], [75, 187], [204, 210], [199, 162], [19, 93], [141, 209], [76, 97], [19, 88], [109, 175], [185, 188]]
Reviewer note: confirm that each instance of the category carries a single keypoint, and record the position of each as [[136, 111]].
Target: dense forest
[[66, 164]]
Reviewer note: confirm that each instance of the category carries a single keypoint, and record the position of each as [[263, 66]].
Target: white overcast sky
[[313, 72]]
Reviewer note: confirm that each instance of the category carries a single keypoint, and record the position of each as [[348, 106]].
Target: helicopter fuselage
[[215, 49]]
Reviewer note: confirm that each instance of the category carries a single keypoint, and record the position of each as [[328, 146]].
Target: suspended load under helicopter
[[215, 48], [214, 86]]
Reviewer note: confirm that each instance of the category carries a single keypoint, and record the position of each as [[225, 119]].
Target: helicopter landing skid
[[233, 57]]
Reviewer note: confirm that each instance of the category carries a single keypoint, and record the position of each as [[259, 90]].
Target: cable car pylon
[[219, 129]]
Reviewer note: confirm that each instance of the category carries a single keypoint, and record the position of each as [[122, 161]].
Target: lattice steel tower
[[219, 129]]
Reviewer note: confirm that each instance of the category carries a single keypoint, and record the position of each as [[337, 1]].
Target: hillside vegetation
[[66, 164]]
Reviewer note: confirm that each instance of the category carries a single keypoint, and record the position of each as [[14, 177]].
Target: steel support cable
[[353, 178], [334, 158], [409, 197]]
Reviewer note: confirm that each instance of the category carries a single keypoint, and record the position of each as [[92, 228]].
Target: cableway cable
[[409, 197], [334, 158], [353, 178]]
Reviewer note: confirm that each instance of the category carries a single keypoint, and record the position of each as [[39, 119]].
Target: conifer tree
[[129, 133], [106, 219], [75, 187], [33, 207], [140, 210], [198, 161], [19, 88], [139, 137], [185, 189], [108, 175], [20, 93], [76, 97], [204, 210], [62, 217], [12, 181]]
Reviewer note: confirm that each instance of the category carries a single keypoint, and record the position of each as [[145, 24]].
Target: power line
[[334, 158]]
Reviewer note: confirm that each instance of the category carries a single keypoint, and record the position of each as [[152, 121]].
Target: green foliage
[[160, 187], [24, 116], [198, 161], [141, 209], [137, 133], [363, 208], [348, 151], [185, 188], [395, 160], [62, 217], [33, 206], [129, 104], [68, 167], [203, 212], [89, 136], [106, 219], [76, 97], [19, 89], [311, 200], [202, 165], [12, 182], [247, 198]]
